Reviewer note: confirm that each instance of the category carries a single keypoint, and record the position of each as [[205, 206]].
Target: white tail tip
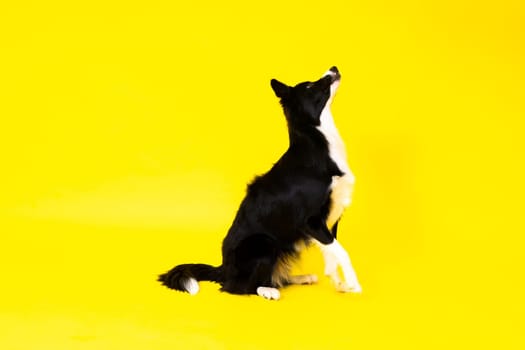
[[192, 286]]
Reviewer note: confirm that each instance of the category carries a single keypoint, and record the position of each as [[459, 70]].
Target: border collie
[[300, 200]]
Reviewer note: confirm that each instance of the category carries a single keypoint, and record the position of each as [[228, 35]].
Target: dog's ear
[[281, 90]]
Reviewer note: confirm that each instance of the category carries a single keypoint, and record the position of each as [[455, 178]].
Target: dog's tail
[[185, 277]]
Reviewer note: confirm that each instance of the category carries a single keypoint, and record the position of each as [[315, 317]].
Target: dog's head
[[304, 103]]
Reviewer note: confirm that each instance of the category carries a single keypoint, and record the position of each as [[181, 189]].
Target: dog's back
[[273, 219]]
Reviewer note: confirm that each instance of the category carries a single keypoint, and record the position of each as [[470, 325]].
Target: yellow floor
[[129, 131], [72, 286]]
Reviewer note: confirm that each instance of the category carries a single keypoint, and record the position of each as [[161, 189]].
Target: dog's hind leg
[[261, 278], [303, 279], [255, 261], [269, 293], [254, 284]]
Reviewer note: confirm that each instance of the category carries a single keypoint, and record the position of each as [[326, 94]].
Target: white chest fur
[[342, 186]]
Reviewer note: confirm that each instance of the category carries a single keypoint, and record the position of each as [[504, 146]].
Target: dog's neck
[[306, 137], [336, 144]]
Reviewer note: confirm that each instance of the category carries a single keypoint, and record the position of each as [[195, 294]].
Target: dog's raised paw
[[269, 293]]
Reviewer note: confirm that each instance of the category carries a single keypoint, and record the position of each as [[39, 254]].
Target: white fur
[[341, 196], [192, 286], [269, 293], [342, 186], [336, 256]]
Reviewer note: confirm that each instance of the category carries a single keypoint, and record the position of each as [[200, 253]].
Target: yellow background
[[129, 131]]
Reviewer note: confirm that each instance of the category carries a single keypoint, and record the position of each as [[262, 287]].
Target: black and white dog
[[300, 200]]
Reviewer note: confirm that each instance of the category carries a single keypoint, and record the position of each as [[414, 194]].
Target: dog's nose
[[333, 73]]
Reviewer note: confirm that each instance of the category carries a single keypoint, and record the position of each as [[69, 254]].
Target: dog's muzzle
[[334, 74]]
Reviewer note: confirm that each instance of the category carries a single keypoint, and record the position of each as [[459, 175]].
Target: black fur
[[287, 205], [201, 272]]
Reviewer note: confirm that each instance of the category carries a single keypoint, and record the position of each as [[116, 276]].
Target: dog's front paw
[[346, 287]]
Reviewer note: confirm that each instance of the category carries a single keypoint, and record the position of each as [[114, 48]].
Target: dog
[[298, 201]]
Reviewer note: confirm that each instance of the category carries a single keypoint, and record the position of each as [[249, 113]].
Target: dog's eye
[[309, 85]]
